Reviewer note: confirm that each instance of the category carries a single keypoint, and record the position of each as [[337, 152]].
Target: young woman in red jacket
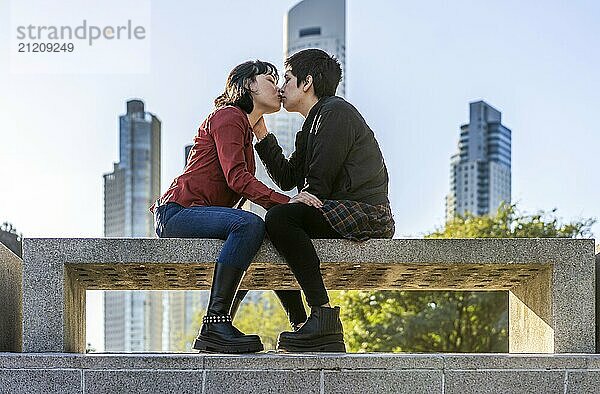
[[200, 203]]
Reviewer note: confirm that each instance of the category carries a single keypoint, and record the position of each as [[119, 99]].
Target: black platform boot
[[322, 332], [217, 333]]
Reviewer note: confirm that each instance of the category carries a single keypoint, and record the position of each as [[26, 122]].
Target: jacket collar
[[310, 118]]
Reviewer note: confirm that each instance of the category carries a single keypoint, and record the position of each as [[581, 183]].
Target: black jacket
[[337, 156]]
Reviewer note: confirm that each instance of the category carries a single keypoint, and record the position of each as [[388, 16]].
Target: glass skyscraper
[[318, 24], [133, 319], [480, 172]]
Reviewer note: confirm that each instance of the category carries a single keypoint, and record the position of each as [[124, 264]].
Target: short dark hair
[[325, 70], [237, 87]]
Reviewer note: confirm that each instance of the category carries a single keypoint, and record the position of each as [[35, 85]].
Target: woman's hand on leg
[[306, 198]]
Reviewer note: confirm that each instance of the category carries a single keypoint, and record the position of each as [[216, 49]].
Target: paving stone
[[583, 382], [40, 381], [143, 381], [243, 381], [514, 382], [514, 361], [364, 382]]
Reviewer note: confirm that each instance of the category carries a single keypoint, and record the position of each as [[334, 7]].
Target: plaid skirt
[[359, 221]]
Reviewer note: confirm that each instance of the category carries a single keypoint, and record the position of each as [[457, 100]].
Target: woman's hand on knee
[[306, 198]]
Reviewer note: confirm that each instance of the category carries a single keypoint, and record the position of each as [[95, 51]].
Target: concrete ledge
[[11, 293], [292, 373], [546, 278], [598, 298]]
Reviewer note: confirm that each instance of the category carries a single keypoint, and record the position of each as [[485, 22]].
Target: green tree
[[510, 223], [443, 321]]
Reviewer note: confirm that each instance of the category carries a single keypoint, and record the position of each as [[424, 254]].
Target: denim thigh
[[162, 214], [242, 231]]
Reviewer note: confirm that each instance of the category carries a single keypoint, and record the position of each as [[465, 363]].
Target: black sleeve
[[332, 142], [284, 172]]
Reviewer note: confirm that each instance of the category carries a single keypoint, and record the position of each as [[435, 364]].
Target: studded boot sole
[[214, 345], [328, 343]]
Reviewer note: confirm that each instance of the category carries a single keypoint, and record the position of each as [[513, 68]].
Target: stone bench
[[551, 281], [11, 268], [598, 298]]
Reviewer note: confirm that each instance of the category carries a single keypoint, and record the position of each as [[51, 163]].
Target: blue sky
[[412, 69]]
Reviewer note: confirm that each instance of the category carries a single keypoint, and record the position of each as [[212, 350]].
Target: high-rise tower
[[133, 319], [480, 173]]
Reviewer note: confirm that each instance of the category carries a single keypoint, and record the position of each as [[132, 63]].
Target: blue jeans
[[242, 231]]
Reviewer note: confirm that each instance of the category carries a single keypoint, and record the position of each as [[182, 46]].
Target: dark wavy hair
[[325, 70], [237, 88]]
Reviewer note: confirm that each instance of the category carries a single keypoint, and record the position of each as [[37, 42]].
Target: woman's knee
[[251, 223], [276, 217]]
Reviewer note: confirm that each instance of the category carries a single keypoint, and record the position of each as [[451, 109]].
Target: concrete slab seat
[[550, 281], [11, 318]]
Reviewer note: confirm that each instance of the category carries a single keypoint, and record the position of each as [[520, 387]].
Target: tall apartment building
[[480, 172]]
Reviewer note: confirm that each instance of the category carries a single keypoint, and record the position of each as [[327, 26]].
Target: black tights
[[290, 228]]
